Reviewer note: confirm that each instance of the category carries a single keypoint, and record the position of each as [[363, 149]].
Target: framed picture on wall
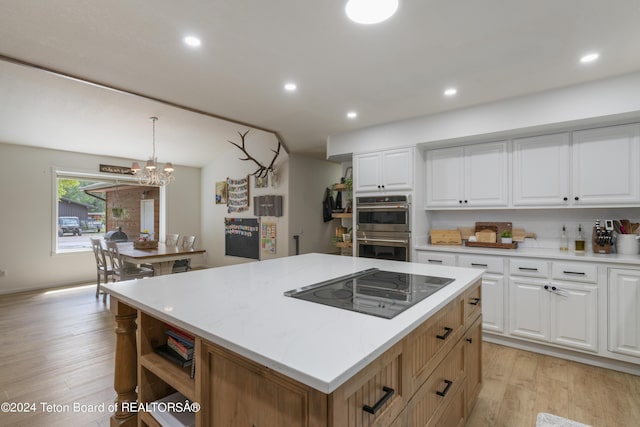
[[262, 182], [221, 193], [348, 173]]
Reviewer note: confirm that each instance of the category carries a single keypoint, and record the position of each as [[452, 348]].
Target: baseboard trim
[[594, 360]]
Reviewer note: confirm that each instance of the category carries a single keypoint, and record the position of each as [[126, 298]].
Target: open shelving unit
[[158, 377], [346, 248]]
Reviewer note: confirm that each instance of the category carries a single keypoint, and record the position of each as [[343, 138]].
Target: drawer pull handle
[[478, 265], [581, 273], [527, 269], [388, 392], [446, 334], [474, 301], [439, 261], [444, 392]]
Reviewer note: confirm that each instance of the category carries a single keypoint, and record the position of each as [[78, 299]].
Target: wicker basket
[[145, 244]]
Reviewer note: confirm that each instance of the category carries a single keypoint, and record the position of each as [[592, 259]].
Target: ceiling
[[488, 49]]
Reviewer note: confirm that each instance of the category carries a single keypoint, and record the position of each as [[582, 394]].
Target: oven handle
[[367, 240], [386, 207]]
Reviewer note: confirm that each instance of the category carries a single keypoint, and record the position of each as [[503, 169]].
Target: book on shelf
[[171, 355], [185, 352], [184, 338]]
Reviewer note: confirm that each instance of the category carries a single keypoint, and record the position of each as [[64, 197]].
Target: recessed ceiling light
[[370, 11], [290, 87], [450, 91], [192, 41], [352, 115], [590, 57]]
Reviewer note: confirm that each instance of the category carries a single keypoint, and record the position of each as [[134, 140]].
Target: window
[[89, 206]]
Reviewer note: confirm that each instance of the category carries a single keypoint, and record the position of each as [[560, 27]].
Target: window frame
[[67, 173]]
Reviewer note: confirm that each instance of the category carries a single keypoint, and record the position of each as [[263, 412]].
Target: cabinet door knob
[[470, 340], [546, 287], [460, 201], [565, 199], [576, 198], [465, 201]]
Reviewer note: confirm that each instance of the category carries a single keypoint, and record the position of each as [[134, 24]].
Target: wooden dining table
[[161, 258]]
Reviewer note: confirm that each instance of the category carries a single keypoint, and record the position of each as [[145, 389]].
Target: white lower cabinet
[[493, 294], [624, 311], [529, 308], [435, 258], [588, 307], [560, 312], [573, 310], [493, 290]]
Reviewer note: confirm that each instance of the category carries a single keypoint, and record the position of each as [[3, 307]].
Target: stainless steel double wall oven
[[383, 227]]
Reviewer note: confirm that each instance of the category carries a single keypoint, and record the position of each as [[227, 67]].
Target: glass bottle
[[580, 240], [564, 240]]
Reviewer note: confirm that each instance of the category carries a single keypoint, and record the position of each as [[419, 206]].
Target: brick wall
[[129, 200]]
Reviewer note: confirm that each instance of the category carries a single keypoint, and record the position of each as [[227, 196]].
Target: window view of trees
[[81, 215]]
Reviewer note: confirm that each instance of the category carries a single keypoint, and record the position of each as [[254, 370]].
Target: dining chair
[[102, 266], [182, 265], [123, 270], [172, 240]]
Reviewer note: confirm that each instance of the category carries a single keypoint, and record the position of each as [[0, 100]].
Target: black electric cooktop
[[373, 291]]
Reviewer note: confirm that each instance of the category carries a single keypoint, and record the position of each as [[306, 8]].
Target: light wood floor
[[58, 348], [518, 384]]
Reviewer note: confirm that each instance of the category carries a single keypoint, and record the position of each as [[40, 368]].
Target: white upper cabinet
[[606, 165], [541, 170], [384, 170], [444, 171], [470, 176]]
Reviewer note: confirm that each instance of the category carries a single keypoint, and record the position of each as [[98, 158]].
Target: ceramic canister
[[627, 244]]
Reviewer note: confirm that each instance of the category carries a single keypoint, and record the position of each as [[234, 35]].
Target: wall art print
[[238, 195], [268, 238], [221, 193]]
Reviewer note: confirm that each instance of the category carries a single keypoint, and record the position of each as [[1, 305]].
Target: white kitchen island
[[311, 353]]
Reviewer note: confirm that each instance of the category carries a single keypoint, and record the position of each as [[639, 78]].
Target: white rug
[[550, 420]]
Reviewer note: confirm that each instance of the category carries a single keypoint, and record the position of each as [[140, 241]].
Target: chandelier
[[151, 174]]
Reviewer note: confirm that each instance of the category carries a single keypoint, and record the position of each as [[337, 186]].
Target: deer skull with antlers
[[262, 170]]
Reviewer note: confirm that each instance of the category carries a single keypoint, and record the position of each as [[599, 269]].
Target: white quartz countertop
[[547, 253], [243, 308]]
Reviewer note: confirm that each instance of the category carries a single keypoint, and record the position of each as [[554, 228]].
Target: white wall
[[603, 101], [228, 165], [309, 179], [27, 207]]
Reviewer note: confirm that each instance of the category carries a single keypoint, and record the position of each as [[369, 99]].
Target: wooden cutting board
[[497, 227], [446, 237]]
